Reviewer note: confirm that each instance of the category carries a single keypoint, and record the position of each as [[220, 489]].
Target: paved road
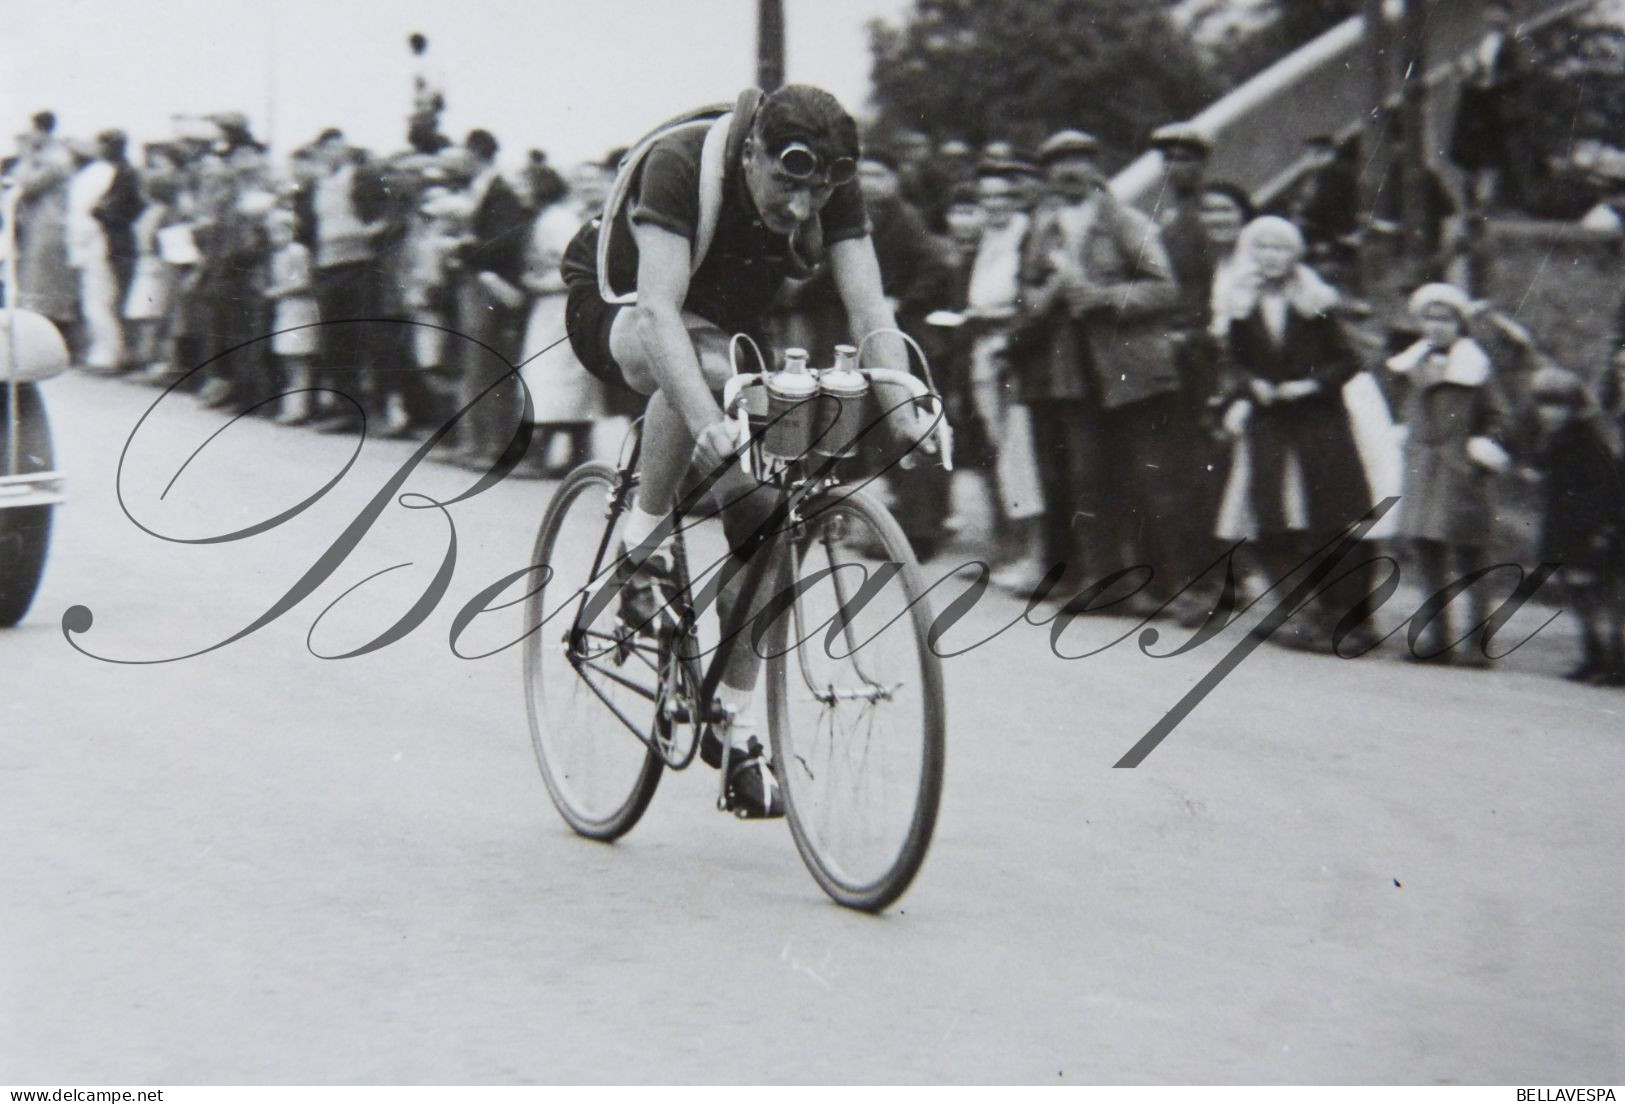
[[261, 866]]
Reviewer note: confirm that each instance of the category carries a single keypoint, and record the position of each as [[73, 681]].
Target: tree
[[982, 71]]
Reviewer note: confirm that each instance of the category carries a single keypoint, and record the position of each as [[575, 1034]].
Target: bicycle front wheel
[[855, 701], [589, 692]]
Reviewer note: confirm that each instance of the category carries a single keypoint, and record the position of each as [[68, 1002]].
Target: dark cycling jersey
[[740, 276]]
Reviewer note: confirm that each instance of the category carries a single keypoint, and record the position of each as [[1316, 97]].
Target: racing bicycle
[[833, 600]]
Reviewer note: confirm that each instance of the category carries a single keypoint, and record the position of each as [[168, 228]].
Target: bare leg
[[668, 448]]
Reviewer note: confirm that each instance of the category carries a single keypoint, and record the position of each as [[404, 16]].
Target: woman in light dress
[[566, 400]]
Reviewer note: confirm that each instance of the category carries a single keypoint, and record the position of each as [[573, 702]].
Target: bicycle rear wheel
[[855, 701], [590, 695]]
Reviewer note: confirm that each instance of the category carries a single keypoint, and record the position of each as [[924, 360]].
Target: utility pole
[[769, 44], [1377, 173], [1413, 120]]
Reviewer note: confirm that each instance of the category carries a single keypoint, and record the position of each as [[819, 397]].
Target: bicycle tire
[[600, 777], [799, 741], [25, 531]]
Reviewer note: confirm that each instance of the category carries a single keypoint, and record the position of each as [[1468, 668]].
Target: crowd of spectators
[[1135, 391], [330, 287], [1138, 392]]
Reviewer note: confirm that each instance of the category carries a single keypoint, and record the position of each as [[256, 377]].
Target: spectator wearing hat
[[958, 165], [150, 302], [1096, 368], [997, 437], [1486, 140], [1185, 150], [291, 291], [438, 226], [950, 359], [238, 253], [1454, 414], [235, 134], [346, 204], [1583, 515], [46, 282], [966, 218], [490, 306], [920, 180], [1325, 206], [104, 198]]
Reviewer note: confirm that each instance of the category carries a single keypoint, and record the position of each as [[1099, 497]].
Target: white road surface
[[259, 866]]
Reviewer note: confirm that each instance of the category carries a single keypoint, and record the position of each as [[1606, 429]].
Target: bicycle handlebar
[[734, 407]]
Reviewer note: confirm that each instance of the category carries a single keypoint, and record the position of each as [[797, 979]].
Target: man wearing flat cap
[[1200, 463], [1095, 364], [1185, 151]]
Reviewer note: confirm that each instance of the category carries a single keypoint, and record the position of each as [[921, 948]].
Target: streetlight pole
[[769, 44]]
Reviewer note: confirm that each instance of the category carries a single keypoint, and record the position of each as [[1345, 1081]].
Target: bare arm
[[857, 279], [663, 340]]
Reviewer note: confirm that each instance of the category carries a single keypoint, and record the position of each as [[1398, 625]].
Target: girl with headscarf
[[1453, 413], [1303, 481]]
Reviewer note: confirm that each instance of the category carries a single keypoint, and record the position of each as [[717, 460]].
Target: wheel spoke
[[858, 723], [591, 712]]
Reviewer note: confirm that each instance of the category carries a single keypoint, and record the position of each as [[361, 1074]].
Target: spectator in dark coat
[[346, 203], [1303, 481], [1326, 207], [917, 275], [1583, 521], [1201, 458], [491, 304], [1485, 140], [119, 207], [1097, 372]]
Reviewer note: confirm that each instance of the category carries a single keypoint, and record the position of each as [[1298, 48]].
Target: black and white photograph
[[812, 542]]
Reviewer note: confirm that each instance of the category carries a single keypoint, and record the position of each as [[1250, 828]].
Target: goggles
[[798, 162]]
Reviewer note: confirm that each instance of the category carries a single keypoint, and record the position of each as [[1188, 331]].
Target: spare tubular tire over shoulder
[[717, 162]]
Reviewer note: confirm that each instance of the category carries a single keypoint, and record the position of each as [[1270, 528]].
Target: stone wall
[[1562, 282]]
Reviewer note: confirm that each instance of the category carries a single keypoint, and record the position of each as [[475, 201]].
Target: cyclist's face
[[782, 201]]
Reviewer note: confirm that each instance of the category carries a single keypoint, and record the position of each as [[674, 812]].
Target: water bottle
[[844, 415], [789, 408]]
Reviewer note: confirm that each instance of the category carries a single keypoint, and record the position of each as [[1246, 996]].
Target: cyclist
[[790, 202]]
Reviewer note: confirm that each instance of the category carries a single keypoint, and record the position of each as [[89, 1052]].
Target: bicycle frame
[[796, 483]]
